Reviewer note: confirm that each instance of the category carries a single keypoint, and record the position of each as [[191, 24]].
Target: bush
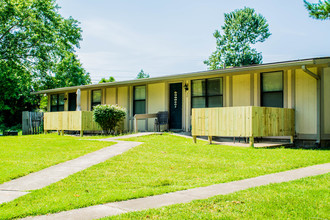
[[108, 116]]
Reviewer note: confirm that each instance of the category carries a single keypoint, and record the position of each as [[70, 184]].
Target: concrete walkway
[[237, 143], [18, 187], [115, 208]]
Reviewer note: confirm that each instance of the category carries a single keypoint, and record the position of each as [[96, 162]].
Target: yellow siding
[[84, 100], [305, 102], [289, 93], [141, 124], [123, 97], [110, 96], [49, 103], [156, 101], [227, 86], [123, 101], [241, 90], [326, 100], [256, 90], [66, 102]]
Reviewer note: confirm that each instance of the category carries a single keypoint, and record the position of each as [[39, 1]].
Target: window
[[96, 97], [57, 102], [206, 93], [139, 101], [272, 89]]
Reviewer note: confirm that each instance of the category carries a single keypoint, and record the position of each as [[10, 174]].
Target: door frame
[[70, 102], [183, 109]]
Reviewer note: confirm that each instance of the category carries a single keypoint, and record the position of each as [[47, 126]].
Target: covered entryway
[[72, 101], [176, 106]]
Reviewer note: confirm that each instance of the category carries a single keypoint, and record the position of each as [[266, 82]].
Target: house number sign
[[175, 99]]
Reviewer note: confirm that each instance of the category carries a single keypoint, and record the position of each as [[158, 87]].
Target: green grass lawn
[[164, 163], [21, 155], [306, 198], [102, 136]]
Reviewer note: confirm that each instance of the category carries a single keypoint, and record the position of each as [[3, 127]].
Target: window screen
[[139, 101], [272, 89], [96, 97], [207, 93], [57, 102]]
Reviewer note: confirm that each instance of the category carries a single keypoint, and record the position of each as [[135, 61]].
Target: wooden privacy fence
[[250, 121], [32, 122], [70, 121]]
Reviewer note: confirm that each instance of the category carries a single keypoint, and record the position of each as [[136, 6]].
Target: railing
[[142, 116], [250, 121], [70, 121]]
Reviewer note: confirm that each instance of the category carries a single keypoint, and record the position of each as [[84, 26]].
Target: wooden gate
[[32, 122]]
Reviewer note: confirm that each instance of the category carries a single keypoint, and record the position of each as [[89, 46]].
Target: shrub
[[108, 116]]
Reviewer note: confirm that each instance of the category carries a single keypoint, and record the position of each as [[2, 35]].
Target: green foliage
[[142, 75], [104, 80], [37, 48], [108, 116], [69, 72], [241, 29], [319, 10], [16, 84], [43, 103], [2, 127]]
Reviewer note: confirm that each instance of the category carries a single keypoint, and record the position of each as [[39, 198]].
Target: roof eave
[[312, 61]]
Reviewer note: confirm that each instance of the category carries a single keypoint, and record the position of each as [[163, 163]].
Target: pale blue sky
[[175, 36]]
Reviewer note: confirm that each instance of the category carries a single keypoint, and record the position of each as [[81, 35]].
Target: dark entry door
[[72, 101], [176, 106]]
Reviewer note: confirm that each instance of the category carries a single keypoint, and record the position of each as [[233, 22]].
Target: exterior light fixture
[[186, 87]]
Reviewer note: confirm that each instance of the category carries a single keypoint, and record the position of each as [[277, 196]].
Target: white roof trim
[[311, 61]]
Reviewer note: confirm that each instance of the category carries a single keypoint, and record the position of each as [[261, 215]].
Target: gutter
[[318, 103]]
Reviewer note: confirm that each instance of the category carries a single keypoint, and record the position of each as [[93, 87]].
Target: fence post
[[251, 141], [210, 139], [25, 122], [291, 139], [135, 124]]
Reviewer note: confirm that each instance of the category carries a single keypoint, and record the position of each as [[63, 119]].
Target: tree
[[37, 47], [15, 88], [69, 72], [319, 10], [108, 116], [142, 75], [242, 28], [104, 80]]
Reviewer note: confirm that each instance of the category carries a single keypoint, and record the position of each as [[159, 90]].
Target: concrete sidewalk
[[115, 208], [237, 143], [18, 187]]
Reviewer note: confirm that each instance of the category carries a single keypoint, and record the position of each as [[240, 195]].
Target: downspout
[[78, 100], [318, 103]]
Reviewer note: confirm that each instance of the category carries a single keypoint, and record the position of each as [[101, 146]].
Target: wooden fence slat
[[250, 121], [32, 122], [70, 121]]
